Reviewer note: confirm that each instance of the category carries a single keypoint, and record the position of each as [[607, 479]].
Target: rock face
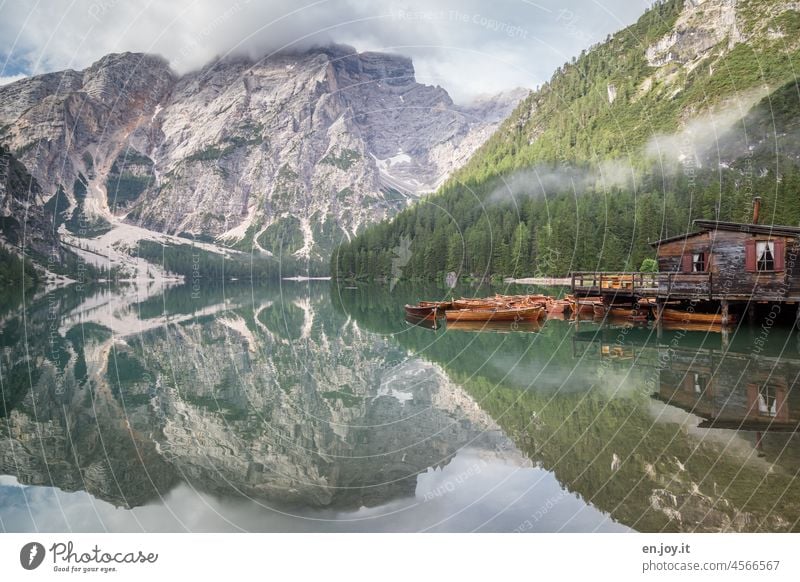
[[288, 154], [704, 25], [24, 219]]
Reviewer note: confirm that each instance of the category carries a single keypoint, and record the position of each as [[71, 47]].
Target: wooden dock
[[768, 287], [729, 301]]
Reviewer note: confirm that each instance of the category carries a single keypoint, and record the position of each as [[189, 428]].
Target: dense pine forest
[[611, 154]]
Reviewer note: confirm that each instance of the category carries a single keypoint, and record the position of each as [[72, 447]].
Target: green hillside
[[621, 147]]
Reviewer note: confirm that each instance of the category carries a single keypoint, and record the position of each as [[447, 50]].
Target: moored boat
[[640, 313], [692, 326], [629, 312], [495, 314], [440, 305], [678, 315], [557, 307], [421, 311], [465, 303], [585, 306]]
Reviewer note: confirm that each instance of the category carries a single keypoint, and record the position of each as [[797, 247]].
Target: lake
[[313, 406]]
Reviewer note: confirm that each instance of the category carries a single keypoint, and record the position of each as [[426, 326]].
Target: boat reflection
[[496, 326], [424, 322]]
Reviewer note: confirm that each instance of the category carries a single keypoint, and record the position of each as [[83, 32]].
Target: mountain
[[286, 155], [26, 222], [687, 113]]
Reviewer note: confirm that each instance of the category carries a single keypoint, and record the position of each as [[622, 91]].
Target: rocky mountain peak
[[286, 154]]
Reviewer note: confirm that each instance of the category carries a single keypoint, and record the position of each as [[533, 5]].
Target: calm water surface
[[316, 407]]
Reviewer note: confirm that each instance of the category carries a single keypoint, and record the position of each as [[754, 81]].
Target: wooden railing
[[643, 284], [604, 281]]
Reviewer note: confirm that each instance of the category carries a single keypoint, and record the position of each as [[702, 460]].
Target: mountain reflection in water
[[310, 407]]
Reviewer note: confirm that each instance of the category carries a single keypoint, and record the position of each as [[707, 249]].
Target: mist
[[706, 136], [714, 137], [546, 180], [469, 47]]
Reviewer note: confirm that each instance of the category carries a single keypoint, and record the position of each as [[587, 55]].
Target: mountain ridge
[[284, 155]]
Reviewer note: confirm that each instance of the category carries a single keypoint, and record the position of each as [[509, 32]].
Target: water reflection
[[318, 408], [579, 400], [471, 493], [264, 408], [732, 390]]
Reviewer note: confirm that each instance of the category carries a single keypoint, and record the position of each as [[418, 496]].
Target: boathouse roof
[[704, 226]]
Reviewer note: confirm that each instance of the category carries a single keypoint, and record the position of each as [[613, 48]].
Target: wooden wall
[[725, 259]]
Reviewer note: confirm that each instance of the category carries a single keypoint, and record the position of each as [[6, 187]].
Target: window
[[694, 262], [765, 255], [698, 262], [767, 402], [699, 383]]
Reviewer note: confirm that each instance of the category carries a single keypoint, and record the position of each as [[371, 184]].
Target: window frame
[[701, 259], [769, 245]]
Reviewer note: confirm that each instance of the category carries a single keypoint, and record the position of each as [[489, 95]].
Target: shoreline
[[565, 281]]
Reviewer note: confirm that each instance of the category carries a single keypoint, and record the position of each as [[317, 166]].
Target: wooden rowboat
[[691, 326], [440, 305], [421, 311], [476, 304], [557, 307], [495, 314], [640, 313], [585, 306], [631, 313], [694, 317]]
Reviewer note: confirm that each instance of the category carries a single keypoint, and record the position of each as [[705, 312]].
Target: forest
[[604, 159], [553, 234]]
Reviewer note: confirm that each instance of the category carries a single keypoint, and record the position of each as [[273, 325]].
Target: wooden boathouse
[[719, 267]]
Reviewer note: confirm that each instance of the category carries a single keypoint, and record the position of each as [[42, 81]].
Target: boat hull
[[474, 304], [632, 313], [421, 311], [440, 305], [629, 313], [557, 307], [676, 315], [512, 314]]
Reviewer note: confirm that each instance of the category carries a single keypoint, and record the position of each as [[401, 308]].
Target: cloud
[[11, 78], [467, 46], [712, 137], [708, 133], [545, 180]]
